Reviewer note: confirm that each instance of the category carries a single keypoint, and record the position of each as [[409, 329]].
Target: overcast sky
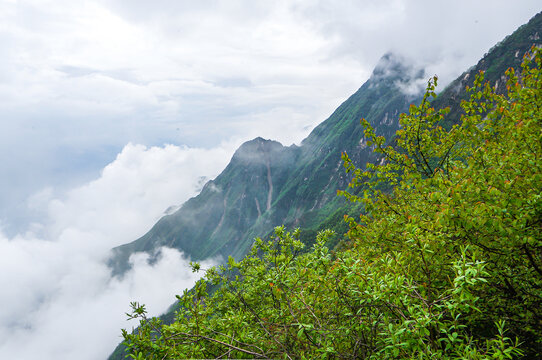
[[112, 111]]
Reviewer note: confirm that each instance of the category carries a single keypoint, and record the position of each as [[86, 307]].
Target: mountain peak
[[391, 65], [256, 149], [395, 69]]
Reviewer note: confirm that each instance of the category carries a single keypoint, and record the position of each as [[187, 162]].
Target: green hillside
[[228, 206]]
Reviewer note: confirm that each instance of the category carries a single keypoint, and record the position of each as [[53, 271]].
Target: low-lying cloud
[[59, 300]]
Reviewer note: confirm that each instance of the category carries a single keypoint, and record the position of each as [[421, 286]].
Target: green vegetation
[[447, 265]]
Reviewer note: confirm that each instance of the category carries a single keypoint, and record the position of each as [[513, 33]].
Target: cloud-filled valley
[[59, 298]]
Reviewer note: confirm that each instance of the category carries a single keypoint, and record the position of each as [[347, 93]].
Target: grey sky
[[91, 91]]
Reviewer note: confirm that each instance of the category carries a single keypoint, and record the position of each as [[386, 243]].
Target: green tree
[[478, 185]]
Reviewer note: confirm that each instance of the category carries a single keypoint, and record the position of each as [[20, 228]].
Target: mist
[[59, 299]]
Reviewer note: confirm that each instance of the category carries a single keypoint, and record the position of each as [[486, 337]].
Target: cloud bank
[[59, 301]]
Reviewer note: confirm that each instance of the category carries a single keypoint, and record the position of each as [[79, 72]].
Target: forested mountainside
[[298, 186], [266, 184]]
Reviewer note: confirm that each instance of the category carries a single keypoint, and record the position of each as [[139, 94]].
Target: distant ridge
[[507, 53]]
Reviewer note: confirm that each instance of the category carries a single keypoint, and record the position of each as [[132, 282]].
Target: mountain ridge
[[267, 184], [305, 178]]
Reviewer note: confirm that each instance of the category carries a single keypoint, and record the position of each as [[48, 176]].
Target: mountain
[[267, 184], [214, 222]]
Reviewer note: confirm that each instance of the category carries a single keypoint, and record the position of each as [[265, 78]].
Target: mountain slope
[[507, 53], [267, 184], [214, 222]]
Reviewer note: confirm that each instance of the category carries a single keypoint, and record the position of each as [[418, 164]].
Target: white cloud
[[79, 80], [59, 300], [445, 37], [134, 190]]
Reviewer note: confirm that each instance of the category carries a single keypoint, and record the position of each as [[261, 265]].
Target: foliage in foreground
[[448, 265]]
